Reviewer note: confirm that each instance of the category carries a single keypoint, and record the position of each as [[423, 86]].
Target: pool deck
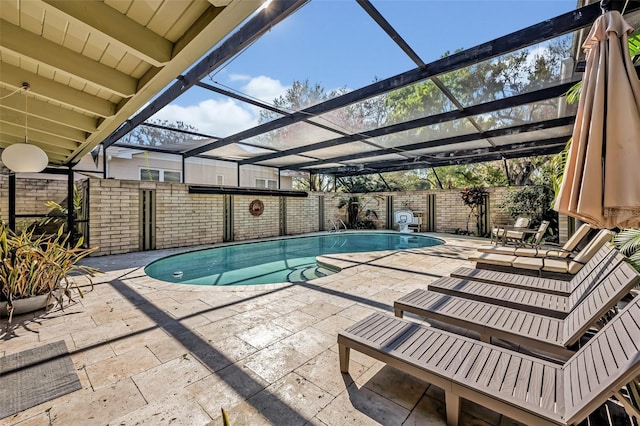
[[148, 352]]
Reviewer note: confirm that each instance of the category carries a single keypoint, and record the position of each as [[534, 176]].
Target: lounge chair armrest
[[556, 247]]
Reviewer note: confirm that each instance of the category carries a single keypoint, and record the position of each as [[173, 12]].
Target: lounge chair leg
[[628, 407], [344, 358], [452, 401], [398, 312]]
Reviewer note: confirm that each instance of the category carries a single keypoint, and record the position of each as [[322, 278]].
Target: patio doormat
[[35, 376]]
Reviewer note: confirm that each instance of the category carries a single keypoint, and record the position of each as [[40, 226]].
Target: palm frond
[[634, 260], [634, 44], [573, 94], [628, 242], [558, 164]]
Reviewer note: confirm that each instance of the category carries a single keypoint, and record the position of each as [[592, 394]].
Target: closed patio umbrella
[[601, 183]]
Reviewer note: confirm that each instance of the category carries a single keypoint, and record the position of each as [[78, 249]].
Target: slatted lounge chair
[[524, 388], [547, 267], [563, 252], [528, 300], [523, 242], [543, 285], [538, 332], [497, 233]]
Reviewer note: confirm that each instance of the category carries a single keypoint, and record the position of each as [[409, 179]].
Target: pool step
[[307, 273], [323, 272]]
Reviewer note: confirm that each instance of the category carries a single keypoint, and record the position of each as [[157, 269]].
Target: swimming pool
[[276, 261]]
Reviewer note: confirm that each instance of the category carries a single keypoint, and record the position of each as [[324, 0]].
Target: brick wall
[[246, 226], [184, 219], [451, 213], [302, 214], [113, 215], [32, 196]]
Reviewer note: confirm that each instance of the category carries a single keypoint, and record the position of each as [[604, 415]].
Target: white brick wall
[[184, 219]]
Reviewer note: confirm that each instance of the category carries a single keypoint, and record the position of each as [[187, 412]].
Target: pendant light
[[25, 157]]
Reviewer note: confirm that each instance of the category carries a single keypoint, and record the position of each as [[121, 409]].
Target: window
[[219, 179], [170, 176], [159, 175], [267, 183]]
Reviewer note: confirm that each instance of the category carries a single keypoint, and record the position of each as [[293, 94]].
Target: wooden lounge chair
[[529, 300], [523, 240], [498, 232], [524, 388], [548, 266], [562, 252], [543, 285], [538, 332]]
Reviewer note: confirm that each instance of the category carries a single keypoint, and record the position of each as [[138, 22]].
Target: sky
[[336, 44]]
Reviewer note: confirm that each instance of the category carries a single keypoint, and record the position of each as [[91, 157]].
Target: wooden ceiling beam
[[36, 123], [46, 111], [120, 29], [30, 45], [37, 136], [52, 151], [46, 88]]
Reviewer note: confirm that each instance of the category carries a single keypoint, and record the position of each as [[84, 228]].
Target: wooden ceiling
[[92, 64]]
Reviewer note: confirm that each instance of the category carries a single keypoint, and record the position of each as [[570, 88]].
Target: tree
[[158, 137], [361, 184], [354, 118], [534, 202], [512, 74], [314, 182]]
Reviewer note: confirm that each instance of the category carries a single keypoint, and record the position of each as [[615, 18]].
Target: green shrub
[[533, 202]]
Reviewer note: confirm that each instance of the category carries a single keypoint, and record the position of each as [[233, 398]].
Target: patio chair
[[551, 267], [537, 332], [529, 300], [523, 239], [527, 389], [498, 232], [542, 285], [563, 252]]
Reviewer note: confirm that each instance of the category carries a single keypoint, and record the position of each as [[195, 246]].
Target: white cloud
[[217, 118], [226, 117], [264, 88], [239, 77]]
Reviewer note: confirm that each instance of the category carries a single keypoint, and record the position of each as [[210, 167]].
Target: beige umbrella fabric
[[601, 183]]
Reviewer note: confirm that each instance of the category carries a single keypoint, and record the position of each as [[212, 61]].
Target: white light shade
[[24, 158]]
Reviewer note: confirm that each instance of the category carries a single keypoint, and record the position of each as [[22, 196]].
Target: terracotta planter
[[23, 306]]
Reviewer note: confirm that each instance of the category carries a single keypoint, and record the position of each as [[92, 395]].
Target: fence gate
[[227, 228], [390, 212], [147, 219], [430, 218], [483, 216], [321, 213], [283, 216]]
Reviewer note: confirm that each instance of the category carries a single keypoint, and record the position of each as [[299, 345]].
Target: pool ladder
[[337, 227]]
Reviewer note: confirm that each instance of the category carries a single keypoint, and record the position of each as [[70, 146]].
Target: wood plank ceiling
[[92, 64]]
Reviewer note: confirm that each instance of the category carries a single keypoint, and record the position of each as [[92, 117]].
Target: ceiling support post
[[433, 169], [12, 202], [506, 170], [71, 214]]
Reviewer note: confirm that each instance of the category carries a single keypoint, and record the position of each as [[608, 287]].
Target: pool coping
[[342, 261]]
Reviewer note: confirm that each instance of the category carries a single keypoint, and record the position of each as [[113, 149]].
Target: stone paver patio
[[149, 352]]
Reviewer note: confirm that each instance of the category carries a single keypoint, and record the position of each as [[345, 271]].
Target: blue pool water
[[285, 260]]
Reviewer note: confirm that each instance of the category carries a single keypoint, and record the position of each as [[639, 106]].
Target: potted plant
[[34, 271]]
